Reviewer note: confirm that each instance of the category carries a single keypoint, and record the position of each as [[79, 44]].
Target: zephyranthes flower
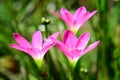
[[74, 48], [74, 21], [37, 49]]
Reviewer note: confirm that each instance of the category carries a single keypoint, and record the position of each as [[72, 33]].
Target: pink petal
[[62, 47], [29, 51], [76, 54], [57, 14], [35, 53], [82, 41], [69, 39], [66, 15], [92, 46], [21, 41], [92, 13], [49, 43], [37, 40], [46, 48], [61, 17], [80, 11], [18, 47], [81, 19], [49, 40], [55, 35]]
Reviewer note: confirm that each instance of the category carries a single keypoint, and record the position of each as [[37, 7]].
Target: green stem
[[46, 22], [71, 73], [72, 66], [46, 31], [39, 63]]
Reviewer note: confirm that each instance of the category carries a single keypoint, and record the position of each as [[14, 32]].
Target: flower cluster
[[75, 21], [72, 47], [37, 49]]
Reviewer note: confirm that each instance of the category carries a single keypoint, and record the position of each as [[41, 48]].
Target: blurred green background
[[27, 16]]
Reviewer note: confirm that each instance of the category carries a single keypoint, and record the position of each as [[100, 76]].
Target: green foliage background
[[27, 16]]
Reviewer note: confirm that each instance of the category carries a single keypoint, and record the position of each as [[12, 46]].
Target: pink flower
[[37, 49], [74, 21], [74, 48]]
